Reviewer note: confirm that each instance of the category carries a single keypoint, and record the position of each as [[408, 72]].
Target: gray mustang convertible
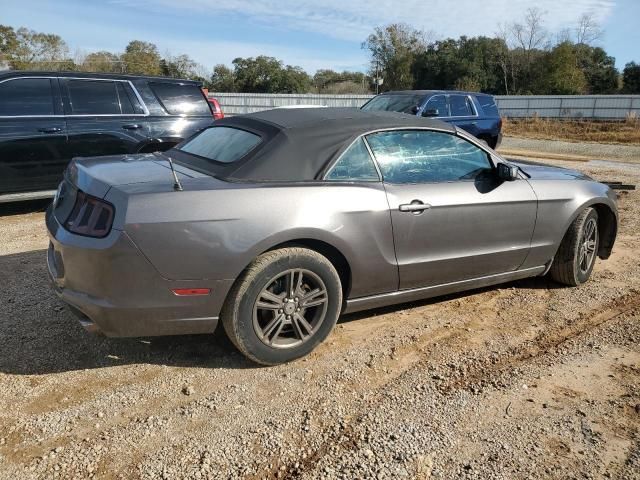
[[277, 222]]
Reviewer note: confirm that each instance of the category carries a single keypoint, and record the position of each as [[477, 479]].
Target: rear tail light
[[90, 216], [215, 108]]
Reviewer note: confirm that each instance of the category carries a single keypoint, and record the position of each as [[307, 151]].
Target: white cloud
[[354, 19]]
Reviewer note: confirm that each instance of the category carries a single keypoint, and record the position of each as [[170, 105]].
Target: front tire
[[577, 254], [283, 305]]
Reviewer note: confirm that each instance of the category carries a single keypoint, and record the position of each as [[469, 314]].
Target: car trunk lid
[[96, 175]]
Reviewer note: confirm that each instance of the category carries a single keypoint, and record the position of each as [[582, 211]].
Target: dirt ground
[[524, 381]]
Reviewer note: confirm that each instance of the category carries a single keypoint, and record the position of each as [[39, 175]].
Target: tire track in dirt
[[345, 439]]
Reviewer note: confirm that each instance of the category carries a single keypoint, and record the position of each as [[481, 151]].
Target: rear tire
[[283, 305], [578, 251]]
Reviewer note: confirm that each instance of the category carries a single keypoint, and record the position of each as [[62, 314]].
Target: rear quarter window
[[221, 144], [488, 105], [180, 99]]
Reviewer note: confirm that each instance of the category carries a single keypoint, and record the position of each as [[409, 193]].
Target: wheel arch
[[607, 224], [607, 229], [329, 251], [333, 254]]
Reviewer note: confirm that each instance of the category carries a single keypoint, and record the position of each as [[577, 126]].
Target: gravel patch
[[595, 150]]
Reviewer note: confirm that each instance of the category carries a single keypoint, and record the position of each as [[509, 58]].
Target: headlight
[[90, 216]]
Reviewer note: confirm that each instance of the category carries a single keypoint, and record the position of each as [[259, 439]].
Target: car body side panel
[[222, 231], [559, 203]]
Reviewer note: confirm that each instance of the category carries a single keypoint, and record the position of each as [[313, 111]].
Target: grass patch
[[625, 132]]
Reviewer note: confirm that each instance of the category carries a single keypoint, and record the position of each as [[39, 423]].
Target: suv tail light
[[90, 216], [215, 108]]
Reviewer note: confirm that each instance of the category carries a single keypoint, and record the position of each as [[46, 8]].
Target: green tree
[[393, 51], [330, 81], [37, 51], [222, 80], [561, 73], [599, 69], [294, 80], [103, 62], [181, 66], [631, 78], [141, 58], [264, 74], [8, 43]]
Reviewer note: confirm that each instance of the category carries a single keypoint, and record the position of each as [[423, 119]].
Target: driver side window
[[423, 156]]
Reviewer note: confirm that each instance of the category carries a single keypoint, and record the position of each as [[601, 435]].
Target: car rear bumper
[[114, 290]]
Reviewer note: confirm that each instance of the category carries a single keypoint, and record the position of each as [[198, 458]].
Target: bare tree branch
[[588, 29]]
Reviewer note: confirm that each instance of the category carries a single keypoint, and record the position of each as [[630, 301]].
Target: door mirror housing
[[432, 112], [507, 172], [415, 109]]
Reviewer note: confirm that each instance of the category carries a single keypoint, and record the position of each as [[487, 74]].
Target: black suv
[[477, 113], [47, 118]]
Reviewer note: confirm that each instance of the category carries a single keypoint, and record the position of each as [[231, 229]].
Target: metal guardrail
[[599, 107]]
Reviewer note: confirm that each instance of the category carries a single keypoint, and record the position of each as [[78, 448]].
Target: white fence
[[601, 107]]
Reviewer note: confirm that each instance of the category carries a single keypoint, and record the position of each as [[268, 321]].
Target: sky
[[312, 34]]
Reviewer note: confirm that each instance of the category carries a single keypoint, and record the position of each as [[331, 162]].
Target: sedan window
[[355, 164], [221, 144], [422, 156]]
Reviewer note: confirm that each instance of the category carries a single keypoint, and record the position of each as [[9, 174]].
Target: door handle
[[132, 126], [415, 206], [50, 130]]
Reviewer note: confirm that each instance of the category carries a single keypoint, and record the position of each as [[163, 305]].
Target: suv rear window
[[181, 99], [26, 96], [394, 103], [221, 144]]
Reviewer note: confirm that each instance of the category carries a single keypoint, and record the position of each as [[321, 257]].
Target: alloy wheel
[[290, 308], [588, 244]]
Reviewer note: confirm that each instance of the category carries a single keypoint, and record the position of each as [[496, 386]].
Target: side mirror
[[432, 112], [507, 172], [415, 109]]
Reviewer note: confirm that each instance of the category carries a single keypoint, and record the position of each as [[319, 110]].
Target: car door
[[452, 218], [104, 117], [462, 112], [32, 135]]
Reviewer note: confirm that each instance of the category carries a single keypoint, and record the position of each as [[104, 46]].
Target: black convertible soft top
[[298, 144]]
